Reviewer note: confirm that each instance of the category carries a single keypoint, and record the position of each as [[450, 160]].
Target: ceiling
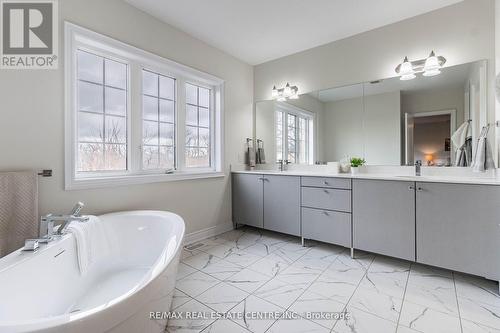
[[257, 31], [449, 77]]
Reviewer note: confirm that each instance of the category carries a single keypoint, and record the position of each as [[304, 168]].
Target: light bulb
[[406, 70], [288, 90], [432, 66], [274, 92], [295, 93]]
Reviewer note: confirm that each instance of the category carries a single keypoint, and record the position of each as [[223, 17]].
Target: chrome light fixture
[[406, 71], [430, 66], [288, 92], [274, 93]]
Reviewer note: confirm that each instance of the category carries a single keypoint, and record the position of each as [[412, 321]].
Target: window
[[158, 121], [102, 113], [134, 117], [197, 126], [294, 134]]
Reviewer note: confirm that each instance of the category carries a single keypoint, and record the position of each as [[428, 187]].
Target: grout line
[[456, 298], [359, 283], [404, 295]]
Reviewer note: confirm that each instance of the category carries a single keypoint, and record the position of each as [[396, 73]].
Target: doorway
[[428, 136]]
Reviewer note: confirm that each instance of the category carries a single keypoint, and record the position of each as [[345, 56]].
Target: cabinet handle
[[420, 189], [411, 187], [325, 183], [263, 178], [326, 213], [326, 191]]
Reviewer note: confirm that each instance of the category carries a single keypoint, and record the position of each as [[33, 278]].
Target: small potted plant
[[356, 162]]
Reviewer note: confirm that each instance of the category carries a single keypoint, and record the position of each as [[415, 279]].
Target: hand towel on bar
[[91, 242], [458, 138], [261, 156], [462, 144], [250, 153], [483, 158], [18, 209]]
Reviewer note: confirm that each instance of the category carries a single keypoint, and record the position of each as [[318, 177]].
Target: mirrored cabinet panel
[[429, 119]]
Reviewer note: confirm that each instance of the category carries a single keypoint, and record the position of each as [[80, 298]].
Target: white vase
[[354, 170]]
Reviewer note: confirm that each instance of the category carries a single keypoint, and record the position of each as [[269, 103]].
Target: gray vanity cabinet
[[282, 204], [384, 217], [457, 227], [248, 199]]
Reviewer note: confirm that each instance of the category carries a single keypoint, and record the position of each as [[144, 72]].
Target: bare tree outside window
[[158, 125], [198, 137], [102, 113]]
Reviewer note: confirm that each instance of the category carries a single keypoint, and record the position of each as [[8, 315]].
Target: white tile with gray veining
[[249, 271]]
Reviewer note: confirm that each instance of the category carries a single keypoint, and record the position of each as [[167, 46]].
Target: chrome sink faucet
[[418, 165], [47, 224], [282, 164]]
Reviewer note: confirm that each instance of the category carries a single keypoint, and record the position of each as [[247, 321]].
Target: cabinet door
[[248, 199], [326, 226], [384, 217], [282, 204], [457, 227]]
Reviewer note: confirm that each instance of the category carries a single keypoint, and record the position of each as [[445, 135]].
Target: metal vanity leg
[[303, 241], [352, 253]]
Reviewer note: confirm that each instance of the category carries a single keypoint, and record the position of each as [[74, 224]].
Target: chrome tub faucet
[[47, 224]]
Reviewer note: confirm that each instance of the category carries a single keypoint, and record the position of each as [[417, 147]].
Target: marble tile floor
[[249, 270]]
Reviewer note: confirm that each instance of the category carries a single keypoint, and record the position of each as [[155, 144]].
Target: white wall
[[343, 129], [366, 127], [31, 125], [463, 33], [382, 130]]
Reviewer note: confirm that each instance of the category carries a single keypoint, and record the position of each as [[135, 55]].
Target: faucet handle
[[418, 163], [77, 208]]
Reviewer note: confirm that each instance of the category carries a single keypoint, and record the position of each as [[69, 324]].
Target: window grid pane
[[102, 113], [198, 137], [158, 136], [292, 138], [279, 135]]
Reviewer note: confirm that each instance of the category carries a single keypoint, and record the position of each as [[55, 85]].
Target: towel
[[463, 156], [91, 242], [18, 209], [483, 158], [250, 153], [261, 156], [460, 136], [462, 142]]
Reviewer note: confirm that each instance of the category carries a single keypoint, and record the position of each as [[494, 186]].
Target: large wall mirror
[[387, 121]]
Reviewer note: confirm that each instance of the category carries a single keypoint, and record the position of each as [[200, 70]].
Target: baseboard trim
[[208, 232]]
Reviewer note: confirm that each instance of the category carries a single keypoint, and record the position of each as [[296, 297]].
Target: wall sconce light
[[430, 66], [288, 92]]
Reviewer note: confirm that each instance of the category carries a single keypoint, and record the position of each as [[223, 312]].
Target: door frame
[[453, 126]]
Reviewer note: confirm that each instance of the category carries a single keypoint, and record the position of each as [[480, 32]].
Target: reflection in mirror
[[434, 120], [287, 130]]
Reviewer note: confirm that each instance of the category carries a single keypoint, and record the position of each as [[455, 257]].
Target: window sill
[[124, 180]]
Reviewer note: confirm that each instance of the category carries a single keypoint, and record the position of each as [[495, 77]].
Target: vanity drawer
[[326, 198], [326, 226], [344, 183]]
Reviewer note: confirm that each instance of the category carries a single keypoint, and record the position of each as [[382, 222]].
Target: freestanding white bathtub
[[45, 292]]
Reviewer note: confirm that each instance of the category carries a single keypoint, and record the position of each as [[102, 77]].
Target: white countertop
[[479, 180]]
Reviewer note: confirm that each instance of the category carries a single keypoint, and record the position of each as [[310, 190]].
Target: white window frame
[[287, 109], [76, 38]]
